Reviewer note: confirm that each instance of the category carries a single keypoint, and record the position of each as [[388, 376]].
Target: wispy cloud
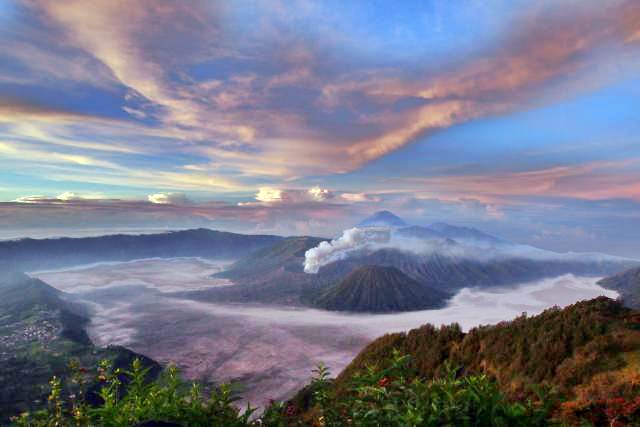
[[592, 181], [280, 104]]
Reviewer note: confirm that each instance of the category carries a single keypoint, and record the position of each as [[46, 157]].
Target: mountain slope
[[627, 284], [567, 348], [40, 254], [286, 255], [273, 274], [449, 273], [379, 289], [40, 333]]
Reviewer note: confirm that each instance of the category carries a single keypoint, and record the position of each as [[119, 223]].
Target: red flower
[[290, 411], [384, 381]]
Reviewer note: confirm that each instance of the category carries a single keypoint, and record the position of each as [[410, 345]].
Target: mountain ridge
[[31, 254], [42, 333], [627, 284]]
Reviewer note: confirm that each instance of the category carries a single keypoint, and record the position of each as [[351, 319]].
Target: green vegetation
[[589, 353], [39, 336], [576, 366], [386, 397], [379, 289]]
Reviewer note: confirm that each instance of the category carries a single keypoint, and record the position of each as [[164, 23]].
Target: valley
[[269, 348]]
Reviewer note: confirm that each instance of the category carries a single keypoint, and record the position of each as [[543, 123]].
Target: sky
[[520, 118]]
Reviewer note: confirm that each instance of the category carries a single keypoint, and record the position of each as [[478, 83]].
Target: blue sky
[[517, 117]]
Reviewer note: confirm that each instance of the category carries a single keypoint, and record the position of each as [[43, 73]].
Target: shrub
[[380, 396], [126, 398], [394, 396]]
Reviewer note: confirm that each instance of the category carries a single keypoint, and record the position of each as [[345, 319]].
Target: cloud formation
[[168, 198], [67, 196], [277, 103], [592, 181]]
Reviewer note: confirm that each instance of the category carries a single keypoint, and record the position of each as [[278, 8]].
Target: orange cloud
[[256, 120], [591, 181]]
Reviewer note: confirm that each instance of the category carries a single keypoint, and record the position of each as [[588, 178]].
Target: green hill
[[40, 333], [586, 350], [378, 289]]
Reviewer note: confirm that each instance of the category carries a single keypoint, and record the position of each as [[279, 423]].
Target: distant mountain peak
[[383, 219]]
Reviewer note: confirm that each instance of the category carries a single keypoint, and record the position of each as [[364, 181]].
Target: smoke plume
[[351, 240]]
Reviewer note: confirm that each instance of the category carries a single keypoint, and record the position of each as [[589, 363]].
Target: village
[[42, 328]]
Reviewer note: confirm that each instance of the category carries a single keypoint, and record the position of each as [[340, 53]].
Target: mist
[[269, 349]]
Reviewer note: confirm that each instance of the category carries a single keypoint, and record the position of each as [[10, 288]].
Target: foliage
[[559, 348], [380, 397], [577, 366], [127, 398], [394, 396]]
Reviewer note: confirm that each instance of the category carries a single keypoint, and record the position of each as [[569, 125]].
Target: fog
[[270, 349]]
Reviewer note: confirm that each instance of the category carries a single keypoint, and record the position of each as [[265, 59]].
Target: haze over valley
[[154, 307]]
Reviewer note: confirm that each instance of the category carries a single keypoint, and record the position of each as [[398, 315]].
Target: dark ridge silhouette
[[627, 284], [40, 254]]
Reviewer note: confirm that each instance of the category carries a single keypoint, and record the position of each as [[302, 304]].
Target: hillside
[[627, 284], [572, 366], [378, 289], [585, 351], [273, 274], [31, 254], [40, 333], [450, 273], [284, 255]]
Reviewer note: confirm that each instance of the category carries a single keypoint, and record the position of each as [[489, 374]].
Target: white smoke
[[351, 240]]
